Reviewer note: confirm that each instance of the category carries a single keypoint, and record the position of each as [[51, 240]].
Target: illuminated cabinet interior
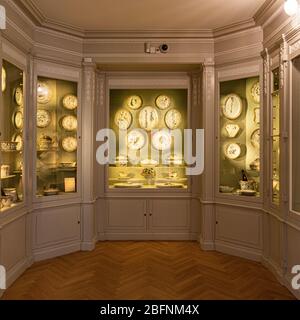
[[11, 139], [56, 145], [145, 119], [240, 137]]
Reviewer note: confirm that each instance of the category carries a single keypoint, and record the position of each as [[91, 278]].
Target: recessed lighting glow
[[291, 7]]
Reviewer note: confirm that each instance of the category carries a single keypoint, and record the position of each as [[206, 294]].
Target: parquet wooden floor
[[147, 270]]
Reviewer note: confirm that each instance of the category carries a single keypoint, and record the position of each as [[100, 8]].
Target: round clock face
[[173, 119], [233, 106], [70, 102], [43, 118], [19, 96], [136, 140], [18, 138], [44, 93], [123, 119], [3, 79], [69, 144], [255, 138], [148, 118], [18, 120], [233, 151], [69, 123], [134, 102], [255, 92], [163, 102], [162, 140]]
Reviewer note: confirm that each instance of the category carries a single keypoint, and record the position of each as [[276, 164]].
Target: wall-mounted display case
[[12, 125], [57, 139], [149, 156], [275, 140], [240, 137]]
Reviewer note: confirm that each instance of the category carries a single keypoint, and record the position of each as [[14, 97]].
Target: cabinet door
[[169, 215], [126, 215]]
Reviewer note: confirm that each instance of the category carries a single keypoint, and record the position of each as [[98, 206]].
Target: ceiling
[[140, 15]]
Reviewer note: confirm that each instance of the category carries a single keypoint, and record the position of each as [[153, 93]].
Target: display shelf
[[239, 133], [12, 123], [147, 117], [57, 140]]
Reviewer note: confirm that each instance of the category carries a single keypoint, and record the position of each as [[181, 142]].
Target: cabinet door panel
[[169, 214], [126, 214], [58, 225]]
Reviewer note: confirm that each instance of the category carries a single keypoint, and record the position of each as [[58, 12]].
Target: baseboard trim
[[88, 245], [239, 251], [149, 237], [207, 245], [55, 251], [274, 268], [287, 283]]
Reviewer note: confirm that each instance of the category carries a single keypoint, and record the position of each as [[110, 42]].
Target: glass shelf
[[57, 141], [239, 133]]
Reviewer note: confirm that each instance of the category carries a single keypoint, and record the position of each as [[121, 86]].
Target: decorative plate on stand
[[44, 93], [136, 140], [163, 102], [232, 107], [123, 119], [134, 102], [70, 102], [148, 118], [173, 119], [43, 118]]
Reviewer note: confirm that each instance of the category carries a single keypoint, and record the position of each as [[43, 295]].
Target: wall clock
[[255, 138], [136, 140], [69, 123], [232, 107], [148, 118], [70, 102], [44, 93], [255, 92], [19, 96], [163, 102], [233, 151], [18, 138], [3, 79], [173, 119], [232, 130], [123, 119], [162, 140], [134, 102], [43, 118], [18, 120], [69, 144]]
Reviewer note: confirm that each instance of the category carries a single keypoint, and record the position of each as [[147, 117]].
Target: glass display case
[[275, 121], [56, 148], [149, 126], [11, 136], [240, 137]]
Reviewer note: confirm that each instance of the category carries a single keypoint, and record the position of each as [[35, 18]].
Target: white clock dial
[[18, 120], [232, 130], [233, 106], [134, 102], [136, 140], [148, 118], [123, 119], [255, 92], [18, 138], [70, 102], [255, 138], [162, 140], [19, 96], [69, 144], [233, 151], [3, 79], [163, 102], [69, 123], [43, 118], [173, 119], [44, 94]]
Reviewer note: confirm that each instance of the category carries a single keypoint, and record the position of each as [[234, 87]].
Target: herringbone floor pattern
[[147, 270]]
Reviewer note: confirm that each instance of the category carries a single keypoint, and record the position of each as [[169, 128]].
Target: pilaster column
[[89, 235]]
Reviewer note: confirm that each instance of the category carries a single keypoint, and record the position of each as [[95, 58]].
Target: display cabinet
[[239, 134], [149, 126], [12, 136], [275, 139], [57, 138]]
